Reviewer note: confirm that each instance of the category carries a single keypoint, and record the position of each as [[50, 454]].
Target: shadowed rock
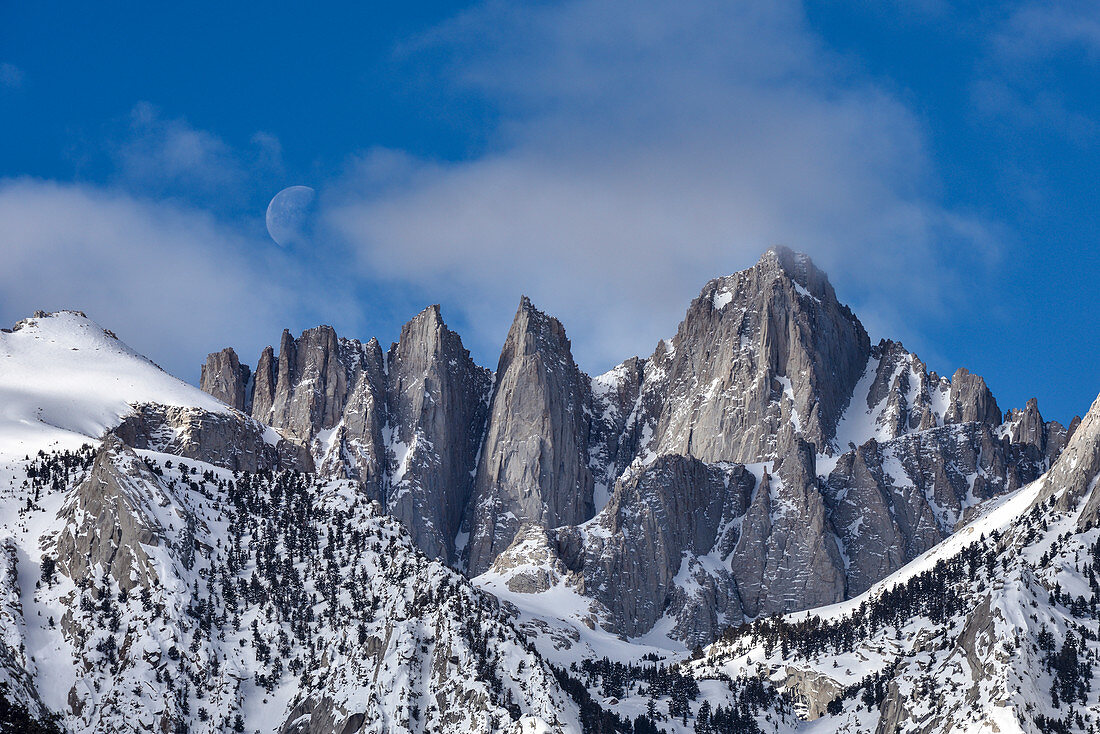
[[658, 519], [787, 557], [437, 400], [228, 440]]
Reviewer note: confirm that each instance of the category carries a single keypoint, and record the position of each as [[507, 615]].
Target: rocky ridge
[[993, 630], [198, 568], [861, 457]]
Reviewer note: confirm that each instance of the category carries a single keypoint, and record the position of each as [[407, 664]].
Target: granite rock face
[[264, 380], [534, 458], [1072, 478], [677, 506], [232, 441], [311, 383], [615, 428], [328, 395], [787, 557], [908, 392], [766, 346], [406, 426], [438, 402], [356, 448], [110, 520], [224, 377], [890, 502], [971, 400], [1027, 428], [532, 563], [839, 461]]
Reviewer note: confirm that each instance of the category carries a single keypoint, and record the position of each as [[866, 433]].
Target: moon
[[289, 213]]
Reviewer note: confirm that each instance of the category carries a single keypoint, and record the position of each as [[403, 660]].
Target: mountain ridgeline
[[769, 525], [767, 458]]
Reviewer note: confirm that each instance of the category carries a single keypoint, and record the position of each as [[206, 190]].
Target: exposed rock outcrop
[[1027, 428], [616, 417], [657, 521], [787, 557], [767, 368], [763, 347], [312, 380], [110, 520], [224, 377], [356, 448], [1073, 477], [229, 440], [531, 563], [906, 389], [437, 400], [971, 400], [406, 426], [889, 502], [534, 459]]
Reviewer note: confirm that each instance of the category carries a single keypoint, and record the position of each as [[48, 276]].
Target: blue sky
[[606, 158]]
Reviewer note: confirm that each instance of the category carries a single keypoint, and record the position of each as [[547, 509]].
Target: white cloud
[[172, 282], [171, 150], [168, 157], [645, 148]]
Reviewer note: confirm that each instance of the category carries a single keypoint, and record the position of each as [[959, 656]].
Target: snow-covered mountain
[[349, 539], [993, 630], [851, 459]]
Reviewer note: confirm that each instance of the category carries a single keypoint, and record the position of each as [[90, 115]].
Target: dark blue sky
[[605, 158]]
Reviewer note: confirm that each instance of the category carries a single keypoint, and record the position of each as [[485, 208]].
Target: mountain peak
[[796, 265], [547, 330], [67, 378], [431, 313], [805, 282], [427, 327]]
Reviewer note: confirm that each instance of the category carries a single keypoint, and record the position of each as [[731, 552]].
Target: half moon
[[288, 214]]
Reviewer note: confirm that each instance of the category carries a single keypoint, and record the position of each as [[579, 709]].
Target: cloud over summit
[[643, 149]]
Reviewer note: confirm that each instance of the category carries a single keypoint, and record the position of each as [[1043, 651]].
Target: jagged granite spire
[[767, 368], [971, 400], [313, 379], [534, 460], [1073, 477], [437, 402], [357, 448], [224, 377]]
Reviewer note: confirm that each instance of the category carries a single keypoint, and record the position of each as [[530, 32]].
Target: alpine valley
[[769, 524]]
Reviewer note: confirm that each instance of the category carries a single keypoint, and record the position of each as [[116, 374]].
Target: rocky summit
[[768, 524], [856, 459]]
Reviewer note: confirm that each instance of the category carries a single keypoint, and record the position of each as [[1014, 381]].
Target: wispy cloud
[[1037, 30], [173, 282], [168, 157], [643, 149]]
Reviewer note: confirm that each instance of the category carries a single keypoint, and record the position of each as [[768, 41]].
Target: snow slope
[[64, 379], [321, 610]]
